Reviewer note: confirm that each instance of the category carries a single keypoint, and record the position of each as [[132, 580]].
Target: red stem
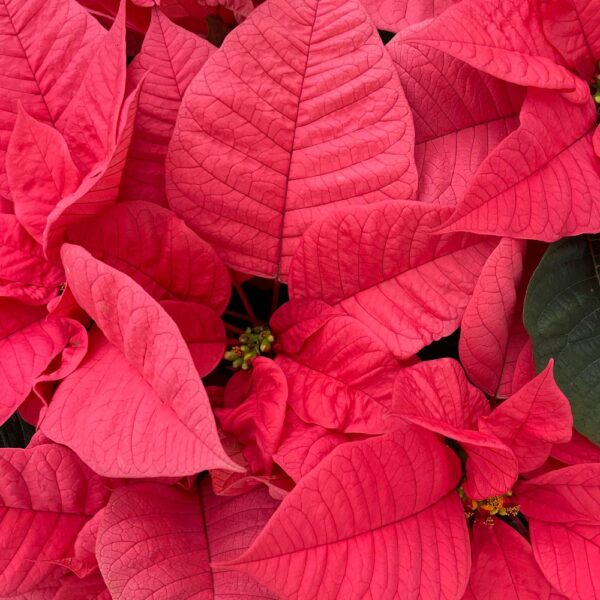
[[244, 299]]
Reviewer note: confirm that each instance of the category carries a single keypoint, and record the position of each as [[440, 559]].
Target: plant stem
[[244, 299]]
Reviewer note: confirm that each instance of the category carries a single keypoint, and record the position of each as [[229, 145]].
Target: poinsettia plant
[[299, 299]]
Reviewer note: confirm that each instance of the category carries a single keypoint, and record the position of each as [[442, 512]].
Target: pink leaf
[[158, 251], [70, 37], [573, 28], [525, 187], [532, 420], [28, 343], [394, 15], [40, 171], [381, 266], [578, 450], [255, 409], [435, 395], [202, 330], [304, 446], [91, 587], [99, 190], [259, 153], [460, 115], [438, 389], [169, 59], [24, 272], [157, 541], [563, 495], [90, 121], [341, 376], [490, 339], [47, 497], [153, 382], [517, 50], [503, 566], [343, 531], [569, 556]]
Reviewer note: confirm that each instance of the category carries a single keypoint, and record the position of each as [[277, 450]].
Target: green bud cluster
[[253, 342], [596, 86]]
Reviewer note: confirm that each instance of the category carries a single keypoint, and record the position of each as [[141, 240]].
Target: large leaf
[[562, 316], [156, 541], [46, 498], [517, 50], [167, 62], [151, 416], [526, 188], [381, 266], [158, 251], [460, 115], [299, 113], [376, 518], [503, 566], [41, 71]]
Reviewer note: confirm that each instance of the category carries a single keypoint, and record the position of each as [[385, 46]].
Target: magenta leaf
[[461, 114], [99, 189], [518, 51], [569, 556], [158, 251], [344, 531], [381, 266], [394, 15], [562, 496], [47, 497], [29, 341], [70, 36], [532, 420], [254, 412], [40, 172], [202, 330], [24, 272], [340, 376], [167, 62], [153, 381], [573, 28], [503, 566], [435, 395], [90, 121], [259, 153], [158, 541], [303, 446], [534, 196]]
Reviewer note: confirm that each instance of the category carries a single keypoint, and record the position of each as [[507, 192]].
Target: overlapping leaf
[[532, 420], [394, 15], [160, 541], [398, 496], [158, 251], [381, 266], [460, 115], [152, 416], [70, 37], [167, 62], [526, 188], [339, 375], [46, 498], [259, 153]]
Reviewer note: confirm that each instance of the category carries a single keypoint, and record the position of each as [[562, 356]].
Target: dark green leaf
[[562, 316], [15, 433]]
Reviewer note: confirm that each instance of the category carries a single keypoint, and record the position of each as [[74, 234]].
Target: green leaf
[[562, 316]]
